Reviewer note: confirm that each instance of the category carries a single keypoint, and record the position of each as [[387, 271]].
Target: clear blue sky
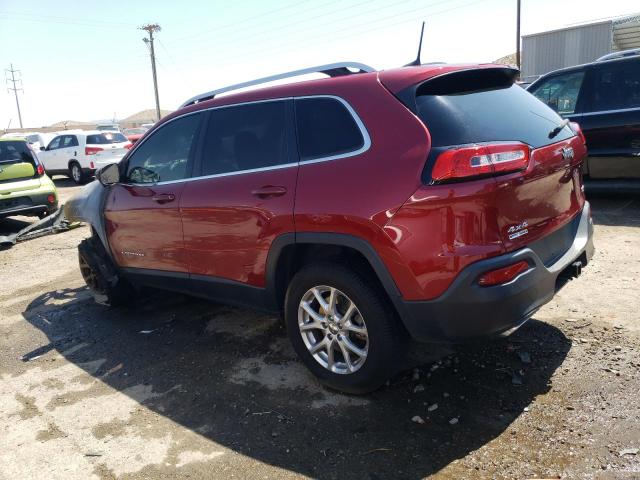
[[85, 60]]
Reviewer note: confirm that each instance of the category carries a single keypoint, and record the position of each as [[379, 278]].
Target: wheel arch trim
[[335, 239]]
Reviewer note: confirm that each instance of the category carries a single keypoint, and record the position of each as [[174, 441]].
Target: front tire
[[105, 284], [343, 328], [76, 174]]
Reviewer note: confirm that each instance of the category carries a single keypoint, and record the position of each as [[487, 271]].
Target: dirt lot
[[179, 388]]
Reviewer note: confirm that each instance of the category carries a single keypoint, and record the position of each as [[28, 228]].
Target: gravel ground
[[174, 387]]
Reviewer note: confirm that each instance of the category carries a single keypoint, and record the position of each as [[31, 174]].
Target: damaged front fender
[[87, 206]]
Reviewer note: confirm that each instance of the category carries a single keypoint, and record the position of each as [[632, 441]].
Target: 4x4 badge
[[519, 230], [567, 153]]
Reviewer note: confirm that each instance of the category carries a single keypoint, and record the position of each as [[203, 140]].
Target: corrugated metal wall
[[544, 52]]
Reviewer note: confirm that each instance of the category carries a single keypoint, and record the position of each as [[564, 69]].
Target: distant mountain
[[507, 60], [145, 116], [62, 123]]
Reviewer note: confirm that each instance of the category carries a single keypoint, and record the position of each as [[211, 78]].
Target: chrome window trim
[[604, 112], [366, 139], [363, 131]]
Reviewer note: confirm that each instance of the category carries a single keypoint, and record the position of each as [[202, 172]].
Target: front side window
[[164, 155], [326, 128], [245, 137], [55, 143], [616, 86], [560, 92]]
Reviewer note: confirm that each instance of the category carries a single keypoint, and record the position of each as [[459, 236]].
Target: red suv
[[440, 202]]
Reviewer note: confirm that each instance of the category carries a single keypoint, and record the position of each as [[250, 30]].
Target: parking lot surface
[[175, 387]]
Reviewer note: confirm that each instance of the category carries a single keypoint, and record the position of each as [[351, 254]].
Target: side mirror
[[42, 149], [108, 175]]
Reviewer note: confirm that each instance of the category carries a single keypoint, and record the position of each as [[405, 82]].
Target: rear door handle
[[164, 198], [269, 191]]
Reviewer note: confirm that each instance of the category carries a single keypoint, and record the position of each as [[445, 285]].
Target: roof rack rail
[[620, 54], [331, 69]]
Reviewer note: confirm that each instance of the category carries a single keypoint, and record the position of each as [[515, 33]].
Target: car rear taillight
[[92, 150], [51, 198], [128, 146], [503, 275], [477, 160], [575, 126], [40, 170]]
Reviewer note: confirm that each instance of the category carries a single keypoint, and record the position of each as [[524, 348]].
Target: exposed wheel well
[[295, 256], [72, 161]]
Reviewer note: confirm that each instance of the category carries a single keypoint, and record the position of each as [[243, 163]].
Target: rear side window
[[485, 111], [326, 128], [165, 154], [560, 92], [616, 86], [245, 137], [69, 141], [106, 138]]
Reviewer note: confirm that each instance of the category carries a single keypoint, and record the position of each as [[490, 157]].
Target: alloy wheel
[[333, 329]]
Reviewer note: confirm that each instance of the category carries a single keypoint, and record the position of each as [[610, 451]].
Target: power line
[[354, 30], [13, 81], [64, 21], [310, 28], [152, 28]]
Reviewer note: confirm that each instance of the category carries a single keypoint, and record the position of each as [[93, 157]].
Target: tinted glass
[[616, 86], [16, 161], [245, 137], [106, 138], [55, 143], [560, 92], [15, 152], [69, 141], [164, 155], [498, 114], [325, 128]]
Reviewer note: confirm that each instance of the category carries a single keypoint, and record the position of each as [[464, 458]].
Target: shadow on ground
[[230, 375], [616, 210]]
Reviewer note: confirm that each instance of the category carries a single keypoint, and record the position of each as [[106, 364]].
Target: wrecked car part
[[100, 274], [87, 206], [54, 223]]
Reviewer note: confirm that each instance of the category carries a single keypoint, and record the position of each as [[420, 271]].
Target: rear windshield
[[16, 161], [493, 111], [15, 152], [105, 138]]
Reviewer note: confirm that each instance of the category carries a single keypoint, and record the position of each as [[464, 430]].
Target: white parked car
[[79, 154], [108, 127], [35, 139]]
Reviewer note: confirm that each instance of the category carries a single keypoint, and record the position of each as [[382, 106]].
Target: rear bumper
[[28, 205], [467, 310]]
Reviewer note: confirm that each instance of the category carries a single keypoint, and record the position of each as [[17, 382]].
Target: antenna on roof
[[417, 62]]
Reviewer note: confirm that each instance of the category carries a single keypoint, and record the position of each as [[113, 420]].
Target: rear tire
[[76, 174], [369, 334], [106, 285]]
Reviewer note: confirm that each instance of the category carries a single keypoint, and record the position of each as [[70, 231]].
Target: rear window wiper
[[558, 128]]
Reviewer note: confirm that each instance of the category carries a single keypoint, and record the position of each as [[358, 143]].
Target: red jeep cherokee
[[444, 202]]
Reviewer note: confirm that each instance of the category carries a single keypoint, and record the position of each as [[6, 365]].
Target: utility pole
[[518, 37], [152, 28], [13, 88]]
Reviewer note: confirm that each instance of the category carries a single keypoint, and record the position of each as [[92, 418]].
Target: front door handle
[[164, 198], [269, 191]]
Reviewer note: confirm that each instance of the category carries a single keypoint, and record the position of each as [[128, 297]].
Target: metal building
[[547, 51]]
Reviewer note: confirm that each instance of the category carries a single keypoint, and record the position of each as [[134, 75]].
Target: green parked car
[[25, 188]]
